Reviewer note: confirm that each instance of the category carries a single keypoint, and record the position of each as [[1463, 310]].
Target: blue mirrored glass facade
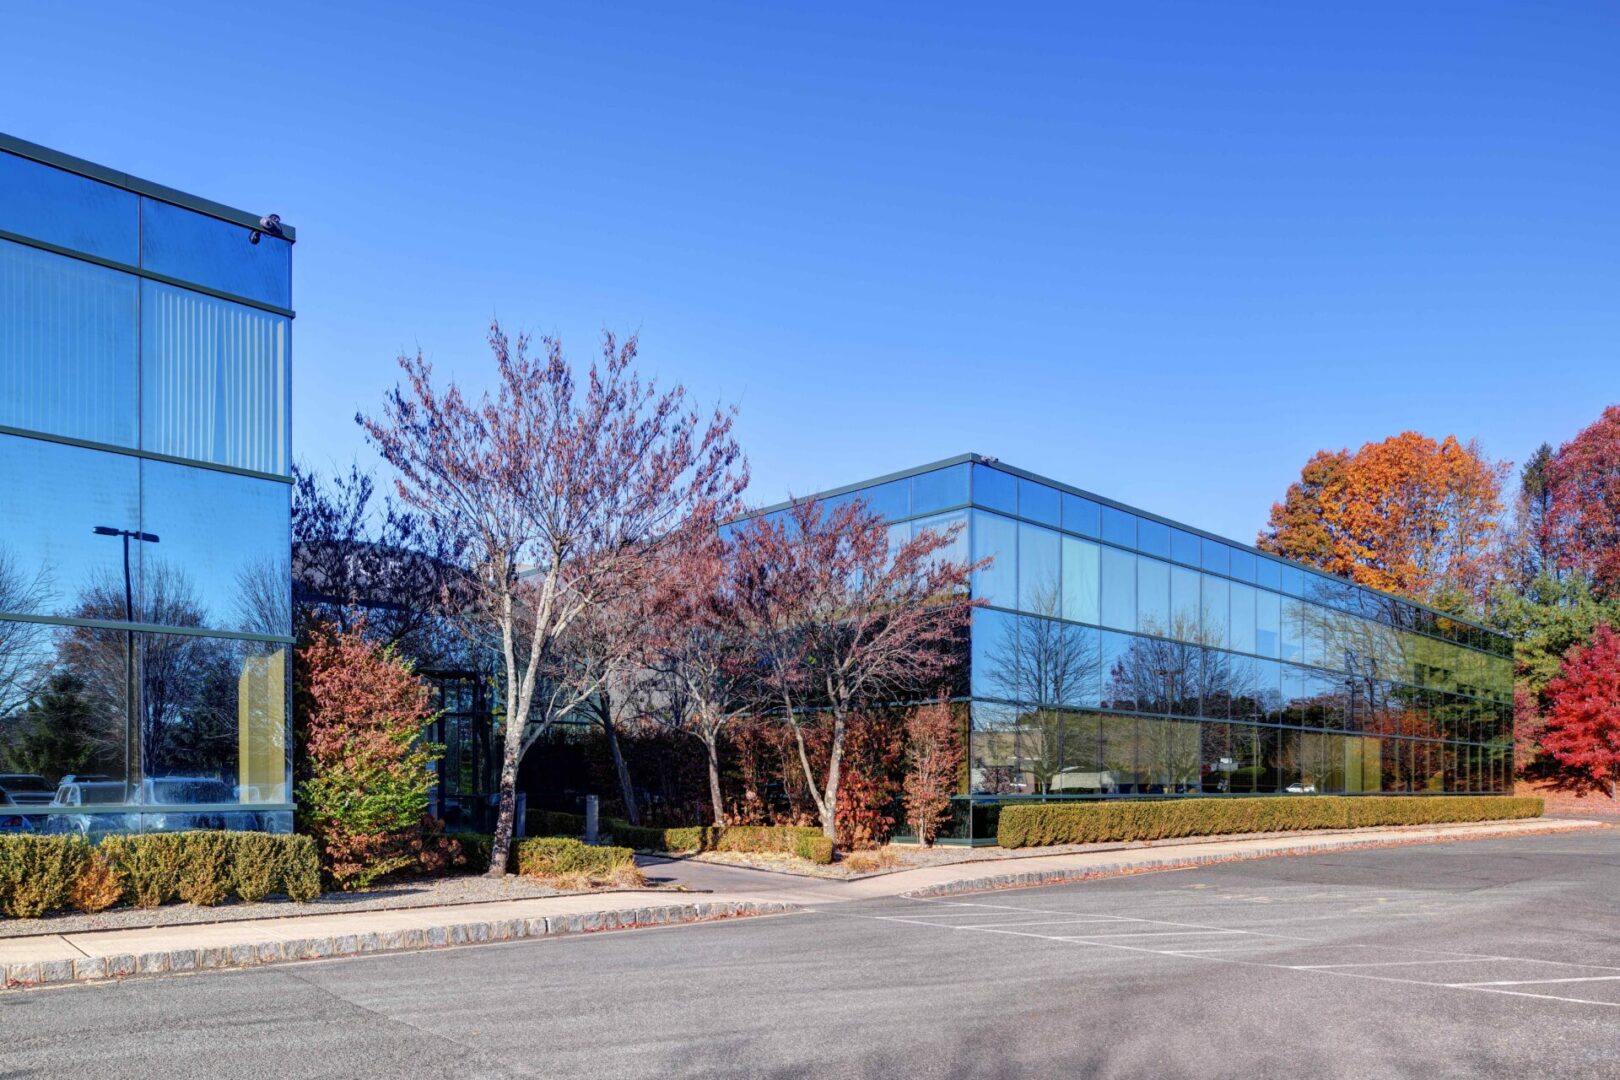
[[145, 593], [1120, 654]]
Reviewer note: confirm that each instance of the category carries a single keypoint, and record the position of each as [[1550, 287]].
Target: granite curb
[[1037, 878], [248, 954]]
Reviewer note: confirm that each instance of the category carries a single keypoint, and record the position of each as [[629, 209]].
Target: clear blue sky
[[1160, 250]]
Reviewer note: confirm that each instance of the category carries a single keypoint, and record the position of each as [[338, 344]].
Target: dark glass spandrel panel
[[995, 538], [64, 730], [220, 560], [939, 489], [1118, 527], [995, 489], [1216, 556], [218, 254], [1081, 516], [1243, 565], [888, 501], [1038, 502], [1153, 538], [1268, 573], [52, 561], [214, 380], [213, 722], [68, 346], [68, 210], [1040, 577]]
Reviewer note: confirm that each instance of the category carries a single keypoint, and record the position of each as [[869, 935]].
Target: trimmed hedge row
[[1040, 824], [545, 856], [42, 874], [803, 841]]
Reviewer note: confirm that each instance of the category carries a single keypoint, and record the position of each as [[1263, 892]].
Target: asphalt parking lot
[[1487, 958]]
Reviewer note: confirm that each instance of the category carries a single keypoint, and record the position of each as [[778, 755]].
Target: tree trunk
[[627, 791], [711, 742], [835, 761], [501, 850]]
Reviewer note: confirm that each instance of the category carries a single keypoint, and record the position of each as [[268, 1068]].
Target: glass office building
[[1121, 654], [145, 607]]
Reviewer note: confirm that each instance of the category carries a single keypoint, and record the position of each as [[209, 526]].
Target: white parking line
[[1534, 982], [1156, 933], [1394, 963]]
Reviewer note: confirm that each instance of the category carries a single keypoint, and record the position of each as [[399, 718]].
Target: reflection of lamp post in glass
[[129, 641]]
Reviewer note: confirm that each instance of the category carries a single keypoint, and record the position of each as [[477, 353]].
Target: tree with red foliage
[[1408, 515], [363, 771], [874, 750], [559, 498], [841, 621], [1582, 520], [933, 759], [701, 653], [1583, 724]]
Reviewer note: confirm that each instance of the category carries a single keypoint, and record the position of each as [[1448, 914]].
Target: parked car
[[176, 791], [75, 793], [10, 821], [1305, 788], [27, 789]]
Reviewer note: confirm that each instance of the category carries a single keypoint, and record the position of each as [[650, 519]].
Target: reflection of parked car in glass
[[187, 791], [1302, 788], [27, 789], [75, 792], [10, 821]]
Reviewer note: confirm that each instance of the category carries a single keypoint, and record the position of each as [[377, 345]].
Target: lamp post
[[130, 703]]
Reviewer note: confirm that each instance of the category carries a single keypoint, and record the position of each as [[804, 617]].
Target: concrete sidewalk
[[1006, 872], [728, 892], [106, 954]]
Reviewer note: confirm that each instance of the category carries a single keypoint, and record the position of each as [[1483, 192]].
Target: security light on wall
[[270, 223]]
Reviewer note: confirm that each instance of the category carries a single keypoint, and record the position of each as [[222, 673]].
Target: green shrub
[[207, 867], [300, 868], [151, 865], [778, 839], [37, 873], [255, 866], [815, 848], [553, 823], [547, 856], [1040, 824]]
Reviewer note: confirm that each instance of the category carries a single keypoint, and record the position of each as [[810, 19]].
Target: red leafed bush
[[933, 757], [1583, 721], [363, 771]]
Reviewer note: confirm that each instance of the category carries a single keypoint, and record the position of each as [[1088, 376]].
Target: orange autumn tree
[[1407, 515]]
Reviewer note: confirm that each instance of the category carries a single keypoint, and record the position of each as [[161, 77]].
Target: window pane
[[1242, 565], [1153, 538], [1293, 580], [207, 251], [993, 754], [1118, 527], [1268, 623], [888, 501], [1184, 547], [1081, 515], [955, 551], [1216, 611], [1153, 597], [1268, 574], [1293, 630], [68, 210], [1184, 603], [67, 346], [1118, 589], [996, 538], [213, 380], [213, 723], [1216, 556], [1243, 619], [994, 662], [220, 558], [1039, 582], [64, 720], [995, 489], [1037, 502], [52, 561], [1081, 577], [939, 489]]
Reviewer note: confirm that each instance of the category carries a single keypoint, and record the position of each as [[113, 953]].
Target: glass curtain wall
[[145, 609]]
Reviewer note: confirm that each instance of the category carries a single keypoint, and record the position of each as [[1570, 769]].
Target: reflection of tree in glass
[[19, 641], [58, 734]]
